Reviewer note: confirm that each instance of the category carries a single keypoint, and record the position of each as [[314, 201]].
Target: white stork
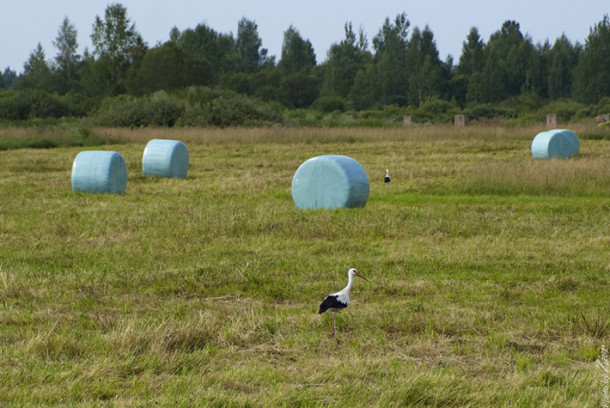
[[387, 176], [339, 300]]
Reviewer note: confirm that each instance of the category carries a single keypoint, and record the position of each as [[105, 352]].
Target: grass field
[[488, 272]]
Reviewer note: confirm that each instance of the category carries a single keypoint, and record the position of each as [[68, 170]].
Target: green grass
[[488, 275]]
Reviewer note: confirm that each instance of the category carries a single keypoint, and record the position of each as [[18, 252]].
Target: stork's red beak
[[359, 275]]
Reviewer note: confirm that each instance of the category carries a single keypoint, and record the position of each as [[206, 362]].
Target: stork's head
[[353, 272]]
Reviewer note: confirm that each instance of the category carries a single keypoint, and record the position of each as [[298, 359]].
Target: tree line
[[400, 67]]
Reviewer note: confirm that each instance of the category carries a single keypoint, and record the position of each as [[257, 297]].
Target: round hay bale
[[165, 158], [99, 172], [330, 181], [561, 143]]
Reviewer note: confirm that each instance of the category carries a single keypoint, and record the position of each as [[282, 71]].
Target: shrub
[[603, 106], [127, 111], [27, 104], [119, 111], [371, 118], [524, 119], [13, 107], [584, 113], [48, 106], [78, 104], [328, 104], [526, 103], [162, 111], [238, 82], [202, 95], [437, 107], [193, 116], [437, 110], [241, 111], [565, 108], [303, 117], [229, 109], [488, 111]]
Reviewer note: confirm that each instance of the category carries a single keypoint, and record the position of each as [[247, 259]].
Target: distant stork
[[339, 300], [387, 176]]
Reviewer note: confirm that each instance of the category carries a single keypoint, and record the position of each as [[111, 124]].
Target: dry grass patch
[[579, 176]]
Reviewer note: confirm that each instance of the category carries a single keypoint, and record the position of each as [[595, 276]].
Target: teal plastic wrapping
[[560, 143], [165, 158], [330, 181], [99, 172]]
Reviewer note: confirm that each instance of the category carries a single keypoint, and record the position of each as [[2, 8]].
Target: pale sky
[[25, 23]]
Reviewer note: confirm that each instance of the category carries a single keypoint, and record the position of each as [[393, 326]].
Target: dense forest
[[201, 77]]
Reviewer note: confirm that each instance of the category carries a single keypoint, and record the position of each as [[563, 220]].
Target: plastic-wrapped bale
[[560, 143], [99, 172], [330, 181], [165, 158]]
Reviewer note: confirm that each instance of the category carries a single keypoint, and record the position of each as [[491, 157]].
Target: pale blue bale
[[99, 172], [330, 181], [560, 143], [165, 158]]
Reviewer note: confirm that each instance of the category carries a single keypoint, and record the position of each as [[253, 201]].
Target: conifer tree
[[592, 74]]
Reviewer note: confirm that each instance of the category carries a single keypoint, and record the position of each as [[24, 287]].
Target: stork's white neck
[[350, 282]]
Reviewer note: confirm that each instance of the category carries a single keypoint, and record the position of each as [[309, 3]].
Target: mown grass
[[488, 275]]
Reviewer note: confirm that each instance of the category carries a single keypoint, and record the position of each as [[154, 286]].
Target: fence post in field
[[409, 120], [460, 120], [552, 120]]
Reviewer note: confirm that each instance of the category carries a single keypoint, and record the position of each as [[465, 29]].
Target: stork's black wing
[[331, 302]]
